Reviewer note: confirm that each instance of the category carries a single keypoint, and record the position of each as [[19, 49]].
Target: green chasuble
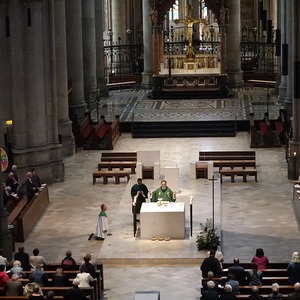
[[166, 195]]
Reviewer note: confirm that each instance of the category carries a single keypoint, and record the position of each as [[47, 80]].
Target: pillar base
[[66, 137], [147, 80], [77, 111], [5, 237], [282, 89], [103, 90], [235, 79]]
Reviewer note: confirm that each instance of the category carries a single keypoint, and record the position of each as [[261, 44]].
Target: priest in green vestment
[[163, 193]]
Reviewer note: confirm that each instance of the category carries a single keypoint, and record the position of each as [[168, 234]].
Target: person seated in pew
[[296, 294], [234, 283], [36, 259], [84, 279], [50, 295], [211, 264], [3, 260], [293, 269], [4, 278], [40, 276], [228, 294], [14, 287], [28, 289], [60, 279], [255, 294], [88, 266], [11, 181], [75, 293], [210, 276], [35, 294], [210, 293], [23, 257], [68, 263], [9, 195], [261, 260], [16, 269], [238, 271], [254, 275], [275, 295], [163, 193], [35, 178]]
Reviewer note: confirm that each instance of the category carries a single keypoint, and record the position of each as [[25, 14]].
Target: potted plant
[[208, 238]]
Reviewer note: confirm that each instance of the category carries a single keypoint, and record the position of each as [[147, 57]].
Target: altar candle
[[191, 200]]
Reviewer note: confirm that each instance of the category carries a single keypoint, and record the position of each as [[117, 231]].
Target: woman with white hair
[[210, 293], [293, 269], [16, 269], [275, 295]]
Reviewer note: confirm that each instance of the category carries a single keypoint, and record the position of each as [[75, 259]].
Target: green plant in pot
[[208, 238]]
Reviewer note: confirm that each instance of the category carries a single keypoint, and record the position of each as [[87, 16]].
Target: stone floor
[[249, 215]]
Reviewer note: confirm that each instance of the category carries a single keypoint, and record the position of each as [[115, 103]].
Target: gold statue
[[189, 21]]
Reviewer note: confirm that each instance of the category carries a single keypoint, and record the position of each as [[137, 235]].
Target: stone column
[[64, 123], [234, 72], [89, 51], [33, 86], [119, 20], [289, 30], [295, 143], [195, 15], [147, 76], [101, 82], [77, 104]]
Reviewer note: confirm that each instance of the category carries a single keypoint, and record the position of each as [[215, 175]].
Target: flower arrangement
[[208, 239]]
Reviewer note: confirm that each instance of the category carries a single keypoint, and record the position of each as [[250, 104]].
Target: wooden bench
[[23, 297], [119, 156], [58, 291], [53, 266], [17, 210], [117, 164], [238, 172], [109, 174], [226, 155], [234, 163], [121, 84]]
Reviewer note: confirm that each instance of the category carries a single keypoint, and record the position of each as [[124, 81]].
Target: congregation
[[29, 275], [216, 286], [13, 189]]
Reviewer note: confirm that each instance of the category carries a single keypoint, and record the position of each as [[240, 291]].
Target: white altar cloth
[[163, 221]]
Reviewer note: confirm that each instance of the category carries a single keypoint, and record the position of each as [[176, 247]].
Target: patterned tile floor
[[249, 215]]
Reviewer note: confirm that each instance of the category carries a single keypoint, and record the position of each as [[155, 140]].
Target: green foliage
[[208, 239]]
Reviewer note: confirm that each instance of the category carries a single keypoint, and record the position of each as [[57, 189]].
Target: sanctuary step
[[184, 129]]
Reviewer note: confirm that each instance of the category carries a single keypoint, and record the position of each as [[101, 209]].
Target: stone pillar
[[195, 15], [295, 143], [77, 104], [101, 82], [283, 78], [234, 72], [289, 31], [147, 76], [119, 20], [89, 51], [64, 123], [33, 89]]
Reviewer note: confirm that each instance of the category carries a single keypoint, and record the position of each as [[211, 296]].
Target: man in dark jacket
[[238, 271], [211, 264], [210, 293]]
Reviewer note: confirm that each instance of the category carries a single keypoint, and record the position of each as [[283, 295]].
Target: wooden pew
[[53, 266], [17, 210], [238, 172], [58, 291], [23, 297], [117, 164], [30, 215], [271, 266], [118, 156], [109, 174]]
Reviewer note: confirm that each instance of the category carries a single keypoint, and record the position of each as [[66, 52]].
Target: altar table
[[163, 221]]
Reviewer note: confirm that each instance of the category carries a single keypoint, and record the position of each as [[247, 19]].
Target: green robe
[[140, 198], [166, 195]]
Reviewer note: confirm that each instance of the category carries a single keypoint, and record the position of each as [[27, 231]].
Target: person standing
[[23, 257], [164, 193], [139, 194], [102, 224]]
